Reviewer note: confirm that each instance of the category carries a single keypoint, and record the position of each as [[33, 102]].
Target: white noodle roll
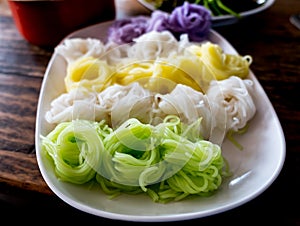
[[234, 96], [183, 43], [189, 105], [115, 54], [74, 48], [77, 104], [153, 45], [124, 102]]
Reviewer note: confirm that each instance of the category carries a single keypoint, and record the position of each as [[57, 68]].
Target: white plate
[[254, 169], [224, 19]]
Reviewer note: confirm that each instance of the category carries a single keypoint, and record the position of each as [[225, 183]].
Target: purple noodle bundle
[[191, 19]]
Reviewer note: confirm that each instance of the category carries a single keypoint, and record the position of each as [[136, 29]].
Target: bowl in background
[[46, 22]]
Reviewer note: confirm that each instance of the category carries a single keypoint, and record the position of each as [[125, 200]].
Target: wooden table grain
[[269, 37]]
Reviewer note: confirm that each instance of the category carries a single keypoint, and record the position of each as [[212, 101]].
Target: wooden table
[[268, 37]]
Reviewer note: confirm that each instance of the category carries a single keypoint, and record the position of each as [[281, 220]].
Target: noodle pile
[[149, 116], [168, 161]]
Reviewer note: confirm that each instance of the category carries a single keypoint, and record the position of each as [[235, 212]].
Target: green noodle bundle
[[75, 148], [169, 161]]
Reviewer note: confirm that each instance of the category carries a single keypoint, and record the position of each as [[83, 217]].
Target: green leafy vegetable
[[217, 7]]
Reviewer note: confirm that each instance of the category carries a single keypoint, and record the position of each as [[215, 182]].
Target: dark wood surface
[[269, 37]]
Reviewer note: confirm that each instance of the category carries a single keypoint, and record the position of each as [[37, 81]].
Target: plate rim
[[261, 8]]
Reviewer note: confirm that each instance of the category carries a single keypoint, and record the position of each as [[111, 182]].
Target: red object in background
[[47, 22]]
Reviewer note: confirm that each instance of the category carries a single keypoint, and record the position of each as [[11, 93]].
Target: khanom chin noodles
[[148, 117], [166, 161], [159, 57], [227, 105]]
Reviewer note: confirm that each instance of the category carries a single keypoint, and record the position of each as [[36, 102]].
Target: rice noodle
[[227, 105]]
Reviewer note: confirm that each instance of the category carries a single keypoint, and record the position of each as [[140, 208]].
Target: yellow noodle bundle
[[158, 76], [87, 72], [133, 72], [218, 65]]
